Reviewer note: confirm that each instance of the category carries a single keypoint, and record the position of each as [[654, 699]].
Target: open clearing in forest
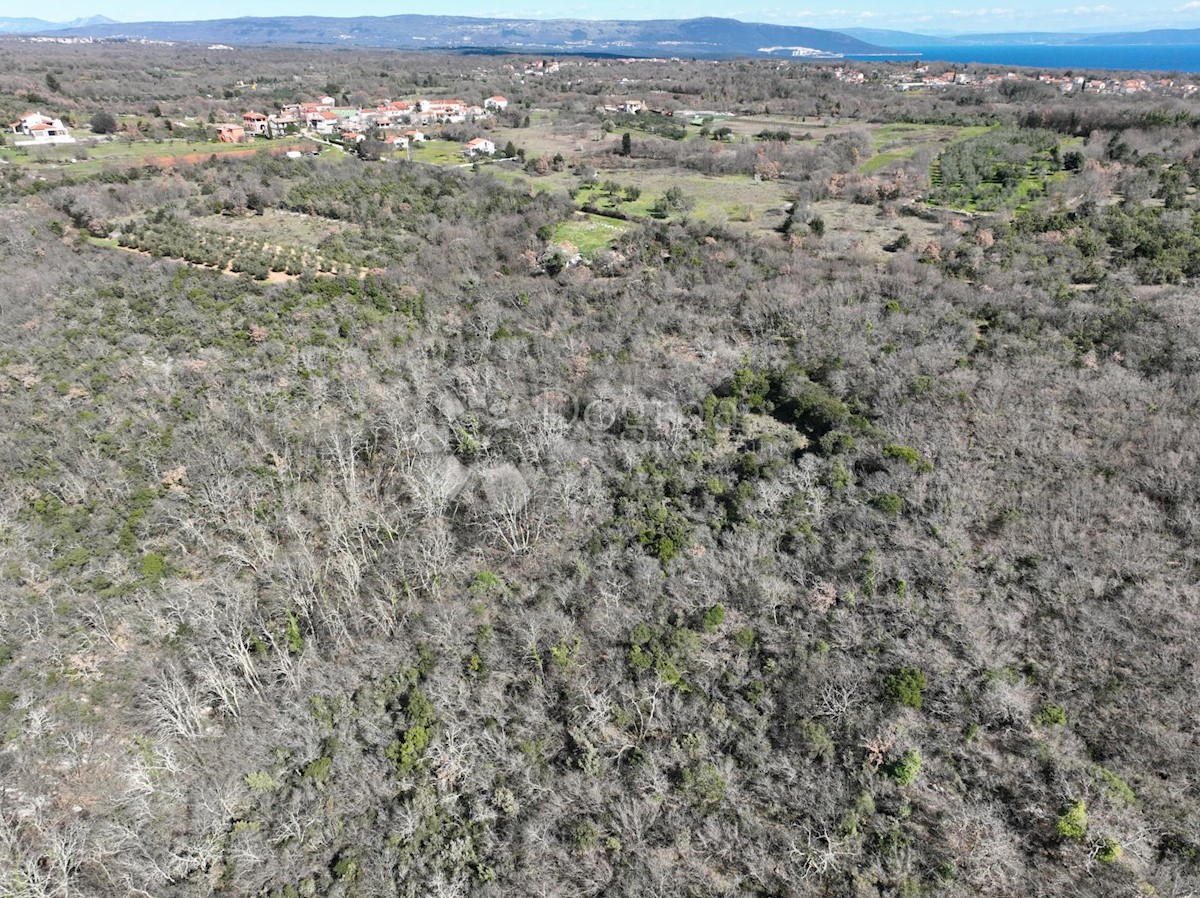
[[277, 226], [90, 157], [590, 234]]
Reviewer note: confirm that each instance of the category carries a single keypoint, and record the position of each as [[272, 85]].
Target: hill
[[1159, 37], [709, 37], [35, 26], [888, 38]]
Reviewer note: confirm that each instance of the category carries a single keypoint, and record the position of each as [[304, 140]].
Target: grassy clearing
[[102, 154], [855, 230], [545, 138], [276, 227], [900, 141], [735, 199], [590, 234], [438, 152]]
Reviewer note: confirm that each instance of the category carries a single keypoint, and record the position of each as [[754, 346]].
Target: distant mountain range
[[41, 26], [703, 37], [708, 37], [886, 38], [1161, 37], [897, 39]]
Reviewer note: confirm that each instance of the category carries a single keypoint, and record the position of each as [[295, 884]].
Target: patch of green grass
[[590, 234], [439, 152], [899, 141], [875, 163]]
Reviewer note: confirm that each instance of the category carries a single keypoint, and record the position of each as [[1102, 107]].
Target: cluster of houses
[[1065, 83], [38, 129], [623, 107], [398, 122]]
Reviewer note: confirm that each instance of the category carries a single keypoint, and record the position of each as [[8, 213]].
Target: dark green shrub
[[905, 687], [904, 770], [889, 503], [713, 618], [1050, 716]]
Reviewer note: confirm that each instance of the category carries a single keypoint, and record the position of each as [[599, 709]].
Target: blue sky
[[949, 17]]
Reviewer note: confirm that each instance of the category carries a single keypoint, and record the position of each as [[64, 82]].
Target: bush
[[713, 618], [1050, 716], [704, 786], [104, 123], [889, 503], [905, 687], [904, 770], [1072, 822], [1109, 851], [816, 741]]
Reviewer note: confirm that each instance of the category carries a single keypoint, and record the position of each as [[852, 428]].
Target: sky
[[906, 15]]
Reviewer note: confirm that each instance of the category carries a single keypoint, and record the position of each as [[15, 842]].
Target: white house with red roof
[[480, 146], [496, 102], [40, 129]]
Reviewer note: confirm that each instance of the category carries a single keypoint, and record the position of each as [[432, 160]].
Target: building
[[496, 102], [284, 123], [448, 111], [480, 146], [230, 133], [322, 122], [40, 129], [256, 123]]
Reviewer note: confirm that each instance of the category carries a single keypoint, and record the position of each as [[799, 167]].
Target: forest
[[793, 495]]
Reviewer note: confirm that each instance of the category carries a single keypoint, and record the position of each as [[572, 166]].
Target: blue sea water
[[1079, 59]]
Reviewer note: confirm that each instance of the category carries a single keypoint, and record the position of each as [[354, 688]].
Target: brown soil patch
[[193, 158]]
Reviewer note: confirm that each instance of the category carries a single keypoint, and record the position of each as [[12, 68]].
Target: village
[[396, 123], [1066, 83]]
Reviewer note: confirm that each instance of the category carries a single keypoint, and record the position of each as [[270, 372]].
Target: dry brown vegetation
[[783, 560]]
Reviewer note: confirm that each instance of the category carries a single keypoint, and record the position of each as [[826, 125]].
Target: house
[[496, 102], [322, 122], [256, 123], [452, 111], [40, 129], [398, 142], [630, 107], [480, 146], [320, 117], [279, 125], [415, 136], [230, 133], [353, 137]]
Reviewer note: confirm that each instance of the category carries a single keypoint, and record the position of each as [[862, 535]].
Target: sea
[[1078, 59]]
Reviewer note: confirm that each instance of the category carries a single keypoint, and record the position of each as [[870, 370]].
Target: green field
[[437, 152], [590, 234], [900, 141], [87, 157]]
